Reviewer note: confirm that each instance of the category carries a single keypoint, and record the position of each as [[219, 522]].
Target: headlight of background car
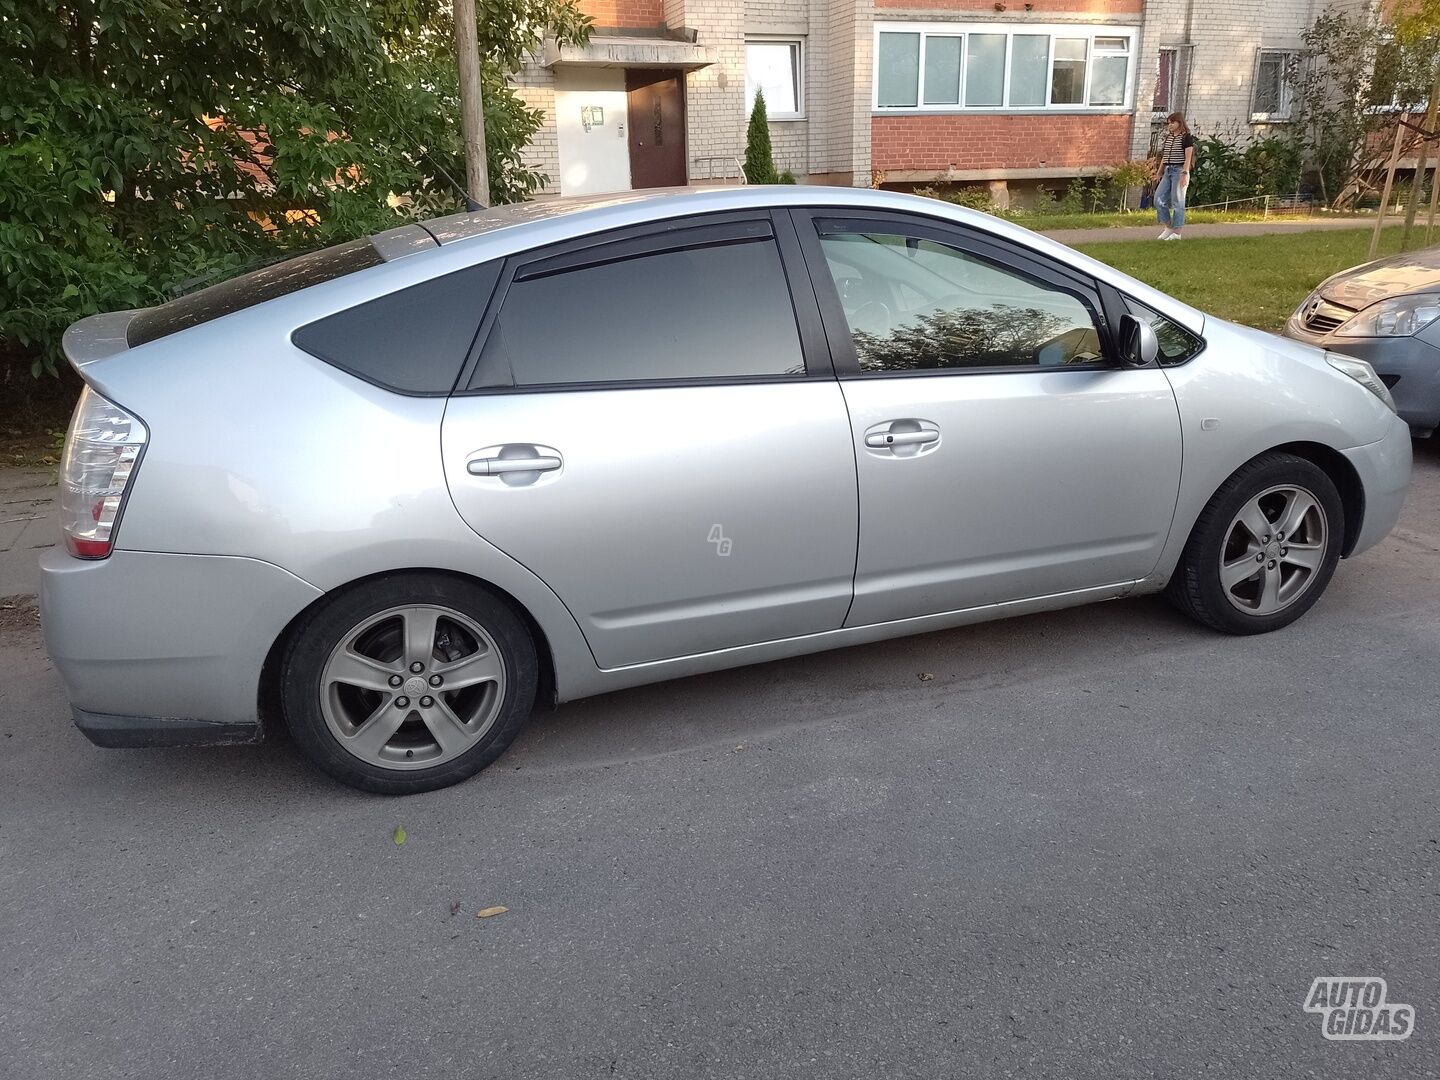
[[1400, 317], [1362, 373]]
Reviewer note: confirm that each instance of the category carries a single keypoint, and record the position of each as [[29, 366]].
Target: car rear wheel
[[408, 684], [1263, 549]]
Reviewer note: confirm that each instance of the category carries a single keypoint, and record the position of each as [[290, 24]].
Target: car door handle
[[879, 440], [498, 466]]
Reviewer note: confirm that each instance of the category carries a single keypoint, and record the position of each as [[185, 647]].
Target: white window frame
[[778, 39], [1287, 91], [1174, 52], [1088, 31]]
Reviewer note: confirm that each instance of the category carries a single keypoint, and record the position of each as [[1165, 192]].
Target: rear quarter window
[[414, 340], [247, 290]]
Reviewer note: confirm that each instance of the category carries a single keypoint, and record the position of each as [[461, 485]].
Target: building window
[[1271, 97], [1164, 102], [944, 67], [776, 67]]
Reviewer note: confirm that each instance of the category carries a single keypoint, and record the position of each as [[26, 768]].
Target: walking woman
[[1177, 154]]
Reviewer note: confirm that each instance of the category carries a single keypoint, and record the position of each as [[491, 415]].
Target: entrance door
[[657, 128], [590, 120]]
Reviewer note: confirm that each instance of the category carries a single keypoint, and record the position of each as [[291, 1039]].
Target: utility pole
[[472, 112]]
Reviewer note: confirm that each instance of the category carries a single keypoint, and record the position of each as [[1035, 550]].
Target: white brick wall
[[831, 142], [1226, 35]]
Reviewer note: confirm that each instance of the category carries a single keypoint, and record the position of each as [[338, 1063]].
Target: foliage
[[1122, 178], [1229, 170], [1351, 64], [759, 159], [146, 143]]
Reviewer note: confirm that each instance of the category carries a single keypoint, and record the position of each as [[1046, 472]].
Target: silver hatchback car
[[397, 490]]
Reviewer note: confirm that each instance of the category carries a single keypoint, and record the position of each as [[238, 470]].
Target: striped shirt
[[1173, 147]]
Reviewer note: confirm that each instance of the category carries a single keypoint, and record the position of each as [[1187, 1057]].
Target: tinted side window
[[1176, 343], [414, 340], [914, 305], [693, 313], [247, 290]]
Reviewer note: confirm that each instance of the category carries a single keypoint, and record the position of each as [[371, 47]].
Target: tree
[[1352, 71], [144, 143], [759, 160], [1417, 28]]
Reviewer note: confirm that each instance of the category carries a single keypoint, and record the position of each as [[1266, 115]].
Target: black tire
[[322, 630], [1196, 589]]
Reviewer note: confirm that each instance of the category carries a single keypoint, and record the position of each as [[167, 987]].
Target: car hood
[[1361, 286]]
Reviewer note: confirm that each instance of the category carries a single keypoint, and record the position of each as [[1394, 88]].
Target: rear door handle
[[516, 464], [498, 466]]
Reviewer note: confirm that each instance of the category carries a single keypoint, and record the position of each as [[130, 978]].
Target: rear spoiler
[[97, 337]]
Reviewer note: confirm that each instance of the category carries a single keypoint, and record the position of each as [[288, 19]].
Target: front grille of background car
[[1322, 322]]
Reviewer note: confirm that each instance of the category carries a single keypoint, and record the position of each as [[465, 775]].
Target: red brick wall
[[627, 13], [1037, 7], [987, 141]]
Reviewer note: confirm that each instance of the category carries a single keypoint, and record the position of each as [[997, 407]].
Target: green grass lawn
[[1043, 222], [1256, 280]]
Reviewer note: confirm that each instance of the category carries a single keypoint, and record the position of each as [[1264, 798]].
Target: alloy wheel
[[1273, 550], [412, 687]]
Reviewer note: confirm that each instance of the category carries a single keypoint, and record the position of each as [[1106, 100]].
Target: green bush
[[1226, 170], [146, 144]]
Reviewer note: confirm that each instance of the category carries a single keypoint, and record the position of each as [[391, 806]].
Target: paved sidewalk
[[27, 526], [1151, 229]]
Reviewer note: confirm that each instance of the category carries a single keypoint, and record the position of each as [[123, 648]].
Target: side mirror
[[1138, 345]]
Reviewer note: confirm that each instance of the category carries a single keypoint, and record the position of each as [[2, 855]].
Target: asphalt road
[[1099, 843]]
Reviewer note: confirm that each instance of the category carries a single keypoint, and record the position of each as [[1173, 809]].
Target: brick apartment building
[[1011, 93]]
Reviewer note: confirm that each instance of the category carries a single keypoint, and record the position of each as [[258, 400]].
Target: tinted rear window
[[721, 311], [414, 340], [250, 289]]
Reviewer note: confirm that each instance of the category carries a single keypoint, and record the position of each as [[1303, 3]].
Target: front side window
[[914, 304], [1272, 95], [950, 66], [776, 69], [694, 313]]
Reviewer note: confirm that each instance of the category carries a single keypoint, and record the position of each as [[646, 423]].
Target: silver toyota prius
[[393, 493]]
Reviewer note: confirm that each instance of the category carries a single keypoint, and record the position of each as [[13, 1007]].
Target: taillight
[[101, 449]]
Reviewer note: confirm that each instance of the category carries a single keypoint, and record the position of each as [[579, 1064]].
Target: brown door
[[657, 127]]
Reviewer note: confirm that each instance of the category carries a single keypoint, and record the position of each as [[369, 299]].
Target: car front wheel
[[1263, 549], [408, 684]]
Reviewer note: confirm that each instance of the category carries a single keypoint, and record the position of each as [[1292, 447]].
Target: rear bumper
[[105, 729], [1384, 471], [144, 637]]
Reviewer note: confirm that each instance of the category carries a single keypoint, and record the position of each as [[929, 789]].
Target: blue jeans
[[1169, 201]]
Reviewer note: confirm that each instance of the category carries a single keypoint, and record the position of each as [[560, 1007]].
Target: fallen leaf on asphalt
[[926, 676], [738, 748], [489, 911], [399, 834]]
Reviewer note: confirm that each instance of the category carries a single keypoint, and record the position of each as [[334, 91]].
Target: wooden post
[[472, 112], [1385, 197], [1434, 197], [1424, 158]]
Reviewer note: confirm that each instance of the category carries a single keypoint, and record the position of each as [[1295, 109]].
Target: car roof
[[596, 213]]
